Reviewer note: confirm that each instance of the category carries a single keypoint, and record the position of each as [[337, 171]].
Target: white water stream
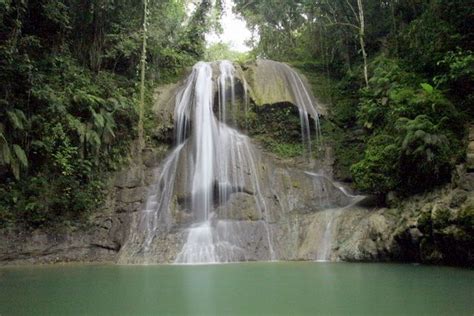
[[211, 165]]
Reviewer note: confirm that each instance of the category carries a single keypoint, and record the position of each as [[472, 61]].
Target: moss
[[466, 217], [282, 149], [448, 235], [264, 91], [321, 85], [277, 128], [339, 126], [424, 222], [441, 217], [458, 197], [376, 172], [347, 145], [455, 233]]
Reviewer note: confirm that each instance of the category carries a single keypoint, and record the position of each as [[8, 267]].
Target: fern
[[20, 155]]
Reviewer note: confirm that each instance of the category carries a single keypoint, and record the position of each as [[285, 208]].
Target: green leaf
[[427, 87], [38, 143], [98, 120], [5, 156], [15, 120], [21, 115], [93, 138], [420, 134], [20, 154], [15, 169], [111, 131]]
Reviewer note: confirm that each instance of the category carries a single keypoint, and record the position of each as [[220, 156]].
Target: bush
[[69, 126], [429, 130], [427, 155], [377, 171]]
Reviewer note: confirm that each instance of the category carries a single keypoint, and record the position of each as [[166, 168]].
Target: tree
[[338, 17], [141, 139]]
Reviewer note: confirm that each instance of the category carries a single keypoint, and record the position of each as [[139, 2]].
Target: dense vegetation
[[69, 95], [401, 77]]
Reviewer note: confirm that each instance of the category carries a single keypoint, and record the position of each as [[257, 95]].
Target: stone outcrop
[[102, 237], [278, 90], [436, 227]]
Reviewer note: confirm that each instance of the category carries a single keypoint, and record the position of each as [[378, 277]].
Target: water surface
[[237, 289]]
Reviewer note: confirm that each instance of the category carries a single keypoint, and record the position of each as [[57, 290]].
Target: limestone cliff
[[310, 216]]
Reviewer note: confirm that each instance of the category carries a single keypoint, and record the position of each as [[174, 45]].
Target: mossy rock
[[458, 197], [466, 216], [277, 90], [441, 216]]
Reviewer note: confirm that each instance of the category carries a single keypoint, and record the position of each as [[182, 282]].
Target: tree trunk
[[141, 111], [362, 42]]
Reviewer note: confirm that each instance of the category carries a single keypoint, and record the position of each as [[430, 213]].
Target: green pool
[[237, 289]]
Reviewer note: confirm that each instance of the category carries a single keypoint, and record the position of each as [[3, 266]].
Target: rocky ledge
[[436, 227]]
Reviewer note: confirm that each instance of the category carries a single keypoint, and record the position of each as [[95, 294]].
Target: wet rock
[[122, 207], [150, 176], [152, 157], [41, 247], [163, 108], [369, 237], [240, 206], [131, 195], [277, 90], [466, 182], [458, 197], [130, 178]]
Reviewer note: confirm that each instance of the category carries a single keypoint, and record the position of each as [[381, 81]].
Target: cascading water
[[224, 164], [305, 105], [213, 193], [219, 162], [278, 80]]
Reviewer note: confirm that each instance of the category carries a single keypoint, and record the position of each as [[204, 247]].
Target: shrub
[[413, 133], [377, 171]]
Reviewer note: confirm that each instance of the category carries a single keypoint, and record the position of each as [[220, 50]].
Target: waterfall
[[224, 164], [279, 82], [212, 199], [305, 104]]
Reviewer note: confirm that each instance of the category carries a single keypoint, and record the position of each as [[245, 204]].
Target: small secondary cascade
[[294, 89], [305, 104], [213, 169], [330, 215]]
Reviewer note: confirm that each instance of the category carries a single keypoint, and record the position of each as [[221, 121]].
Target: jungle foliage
[[68, 96], [411, 112], [399, 75]]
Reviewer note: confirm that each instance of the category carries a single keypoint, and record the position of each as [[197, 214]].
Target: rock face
[[307, 217], [97, 244], [102, 238], [280, 89]]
